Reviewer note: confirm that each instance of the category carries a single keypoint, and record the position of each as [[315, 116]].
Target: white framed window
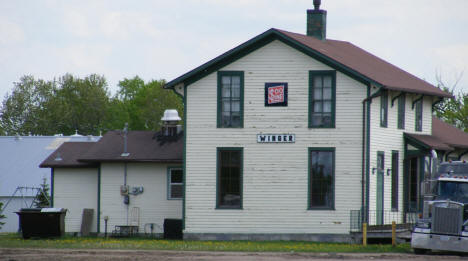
[[175, 183]]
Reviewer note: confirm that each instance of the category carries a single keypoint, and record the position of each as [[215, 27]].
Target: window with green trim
[[321, 178], [418, 115], [384, 109], [229, 178], [175, 183], [322, 85], [230, 99], [401, 111]]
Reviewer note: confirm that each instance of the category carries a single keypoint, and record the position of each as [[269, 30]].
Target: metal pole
[[393, 234], [364, 234]]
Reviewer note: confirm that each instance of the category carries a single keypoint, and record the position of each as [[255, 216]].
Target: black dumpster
[[173, 228], [42, 222]]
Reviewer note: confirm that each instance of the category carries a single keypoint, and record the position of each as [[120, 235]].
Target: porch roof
[[444, 137]]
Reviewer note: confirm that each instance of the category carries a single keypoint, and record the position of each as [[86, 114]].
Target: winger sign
[[276, 138]]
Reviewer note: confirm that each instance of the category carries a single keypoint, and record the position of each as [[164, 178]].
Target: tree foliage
[[1, 215], [42, 197], [142, 104], [70, 104], [453, 111]]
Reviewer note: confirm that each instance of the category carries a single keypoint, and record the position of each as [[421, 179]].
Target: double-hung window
[[418, 115], [230, 99], [175, 183], [322, 99], [321, 178], [384, 109], [229, 178]]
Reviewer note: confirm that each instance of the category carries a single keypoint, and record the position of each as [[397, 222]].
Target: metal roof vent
[[170, 120], [125, 132], [171, 115]]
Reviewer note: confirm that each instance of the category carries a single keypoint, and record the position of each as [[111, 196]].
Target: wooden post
[[393, 234], [364, 234]]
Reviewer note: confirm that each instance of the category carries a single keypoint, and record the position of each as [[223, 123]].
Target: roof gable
[[342, 56]]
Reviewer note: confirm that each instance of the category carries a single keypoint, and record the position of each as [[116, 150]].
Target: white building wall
[[11, 219], [390, 138], [76, 189], [152, 204], [275, 176]]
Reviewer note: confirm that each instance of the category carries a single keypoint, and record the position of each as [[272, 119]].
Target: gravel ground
[[19, 254]]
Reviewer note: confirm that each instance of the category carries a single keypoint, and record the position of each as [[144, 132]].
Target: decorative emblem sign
[[276, 94]]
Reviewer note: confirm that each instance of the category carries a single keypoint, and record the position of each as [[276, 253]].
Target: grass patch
[[68, 242]]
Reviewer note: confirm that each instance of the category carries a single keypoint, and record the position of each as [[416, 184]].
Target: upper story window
[[384, 109], [418, 115], [175, 183], [401, 111], [322, 85], [230, 99], [321, 178]]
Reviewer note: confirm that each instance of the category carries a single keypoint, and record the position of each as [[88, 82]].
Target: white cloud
[[10, 33]]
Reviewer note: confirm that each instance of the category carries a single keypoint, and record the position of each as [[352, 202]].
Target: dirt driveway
[[19, 254]]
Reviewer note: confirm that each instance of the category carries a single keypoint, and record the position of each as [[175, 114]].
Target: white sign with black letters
[[276, 138]]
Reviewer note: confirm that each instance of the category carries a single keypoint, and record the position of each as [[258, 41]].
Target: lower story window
[[321, 178], [229, 178], [175, 181]]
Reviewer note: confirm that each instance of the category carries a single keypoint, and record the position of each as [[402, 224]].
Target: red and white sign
[[276, 94]]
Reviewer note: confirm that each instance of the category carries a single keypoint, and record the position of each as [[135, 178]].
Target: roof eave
[[255, 43]]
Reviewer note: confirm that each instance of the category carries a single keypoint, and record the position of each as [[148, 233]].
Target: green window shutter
[[321, 194], [401, 111], [322, 99], [229, 178], [230, 99], [384, 109]]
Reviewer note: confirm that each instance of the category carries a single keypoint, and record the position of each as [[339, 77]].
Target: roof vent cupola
[[317, 22], [170, 120]]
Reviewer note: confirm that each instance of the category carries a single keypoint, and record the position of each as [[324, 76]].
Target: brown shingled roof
[[67, 156], [142, 146], [444, 137], [369, 65], [342, 56], [449, 134]]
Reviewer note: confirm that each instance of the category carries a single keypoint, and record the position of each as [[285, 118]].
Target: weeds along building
[[285, 137]]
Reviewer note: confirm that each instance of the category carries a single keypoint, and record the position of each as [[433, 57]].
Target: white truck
[[444, 222]]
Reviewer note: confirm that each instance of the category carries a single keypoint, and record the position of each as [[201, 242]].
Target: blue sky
[[163, 39]]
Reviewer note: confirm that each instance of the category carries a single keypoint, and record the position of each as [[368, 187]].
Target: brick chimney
[[317, 22]]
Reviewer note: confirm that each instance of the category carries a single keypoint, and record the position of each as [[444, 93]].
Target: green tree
[[23, 111], [1, 215], [142, 104], [42, 197], [80, 104], [64, 106], [453, 111]]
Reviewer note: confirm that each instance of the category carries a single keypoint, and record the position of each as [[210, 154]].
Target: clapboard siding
[[275, 176], [391, 138], [152, 203], [76, 189]]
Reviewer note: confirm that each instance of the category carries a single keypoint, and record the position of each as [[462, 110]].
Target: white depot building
[[284, 137]]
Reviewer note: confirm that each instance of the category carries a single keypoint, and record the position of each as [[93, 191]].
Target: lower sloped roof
[[444, 137], [67, 155], [142, 146]]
